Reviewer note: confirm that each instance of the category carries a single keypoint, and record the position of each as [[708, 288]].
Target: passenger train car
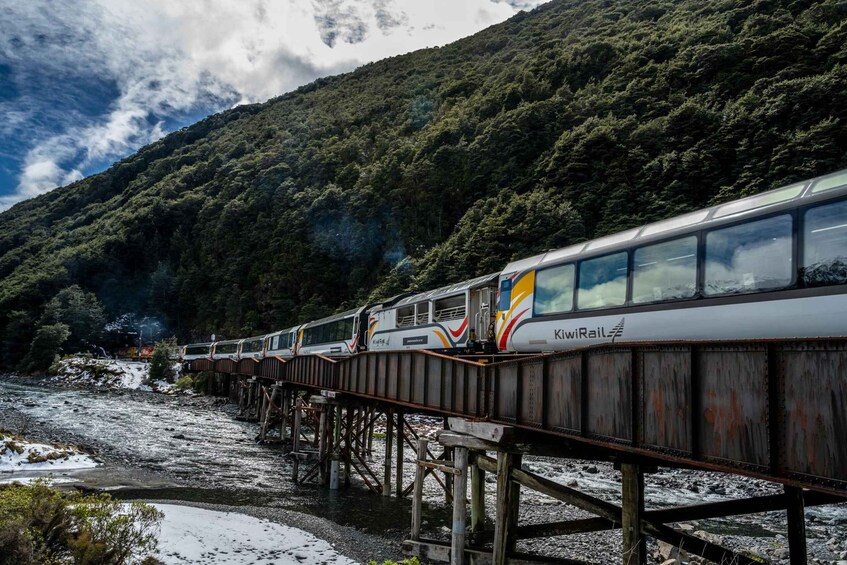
[[283, 343], [450, 319], [769, 266], [773, 265], [251, 348], [226, 349], [195, 351], [339, 335]]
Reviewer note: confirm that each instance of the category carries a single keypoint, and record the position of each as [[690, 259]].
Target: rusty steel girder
[[771, 409]]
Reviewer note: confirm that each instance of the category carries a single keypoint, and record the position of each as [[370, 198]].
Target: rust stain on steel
[[733, 396], [564, 393], [247, 367], [666, 393], [202, 365], [531, 393], [815, 412], [609, 408], [225, 366], [775, 409], [506, 391], [271, 368]]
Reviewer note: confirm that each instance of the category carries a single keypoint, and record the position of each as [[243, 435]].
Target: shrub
[[39, 524], [201, 381], [161, 367], [184, 383], [45, 347]]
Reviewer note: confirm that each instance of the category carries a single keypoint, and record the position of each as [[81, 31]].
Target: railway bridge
[[773, 410]]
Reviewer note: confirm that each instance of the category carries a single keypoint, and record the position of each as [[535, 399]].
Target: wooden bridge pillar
[[286, 408], [400, 441], [448, 478], [796, 511], [295, 435], [323, 433], [460, 511], [335, 464], [250, 399], [389, 452], [477, 497], [417, 495], [503, 511], [634, 542]]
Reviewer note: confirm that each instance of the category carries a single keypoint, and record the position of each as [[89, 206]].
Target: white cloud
[[168, 58]]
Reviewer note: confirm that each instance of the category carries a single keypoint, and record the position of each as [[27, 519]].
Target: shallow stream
[[158, 447], [192, 449]]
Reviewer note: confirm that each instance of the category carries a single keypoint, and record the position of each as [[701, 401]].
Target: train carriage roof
[[444, 291], [335, 317], [786, 197], [254, 338], [285, 331]]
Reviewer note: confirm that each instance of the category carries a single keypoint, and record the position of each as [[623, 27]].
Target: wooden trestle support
[[473, 441], [331, 436]]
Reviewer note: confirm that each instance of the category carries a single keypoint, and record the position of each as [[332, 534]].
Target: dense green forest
[[578, 119]]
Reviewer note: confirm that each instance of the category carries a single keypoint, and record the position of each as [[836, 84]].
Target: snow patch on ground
[[196, 535], [17, 455], [108, 374], [51, 480]]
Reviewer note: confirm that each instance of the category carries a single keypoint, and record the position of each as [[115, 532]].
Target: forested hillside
[[581, 118]]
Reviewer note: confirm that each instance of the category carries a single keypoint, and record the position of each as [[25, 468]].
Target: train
[[771, 265]]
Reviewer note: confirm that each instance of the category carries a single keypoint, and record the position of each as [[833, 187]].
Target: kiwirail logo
[[591, 333]]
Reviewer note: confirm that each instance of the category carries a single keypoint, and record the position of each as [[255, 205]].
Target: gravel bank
[[157, 447]]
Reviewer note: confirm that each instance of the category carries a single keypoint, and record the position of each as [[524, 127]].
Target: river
[[192, 450]]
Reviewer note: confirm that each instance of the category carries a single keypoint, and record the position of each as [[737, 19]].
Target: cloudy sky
[[84, 83]]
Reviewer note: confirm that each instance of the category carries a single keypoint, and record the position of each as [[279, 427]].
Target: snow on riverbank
[[108, 374], [17, 455], [196, 535]]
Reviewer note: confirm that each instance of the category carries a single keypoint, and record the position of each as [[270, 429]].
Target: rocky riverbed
[[191, 450]]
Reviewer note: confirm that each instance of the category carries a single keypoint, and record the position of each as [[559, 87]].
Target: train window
[[766, 199], [452, 308], [505, 294], [674, 223], [554, 289], [422, 313], [825, 245], [227, 348], [405, 316], [602, 281], [749, 257], [830, 182], [665, 271]]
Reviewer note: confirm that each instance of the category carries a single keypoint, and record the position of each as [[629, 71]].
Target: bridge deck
[[771, 409]]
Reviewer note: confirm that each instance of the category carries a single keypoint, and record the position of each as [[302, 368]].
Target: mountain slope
[[579, 119]]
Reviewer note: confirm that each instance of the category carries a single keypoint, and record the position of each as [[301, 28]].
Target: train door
[[482, 311], [360, 330]]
